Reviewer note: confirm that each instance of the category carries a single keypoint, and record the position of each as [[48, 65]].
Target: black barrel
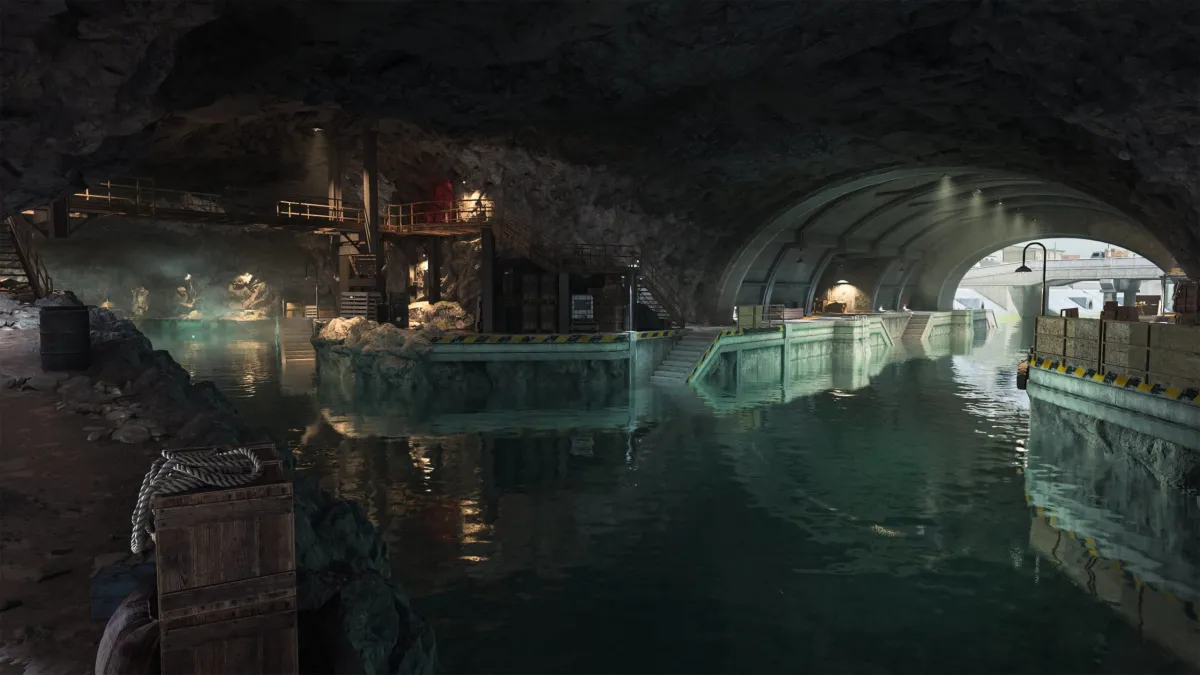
[[66, 341]]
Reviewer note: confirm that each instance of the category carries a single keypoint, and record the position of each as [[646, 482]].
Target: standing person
[[444, 197]]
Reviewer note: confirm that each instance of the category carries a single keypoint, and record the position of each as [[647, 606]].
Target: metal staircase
[[652, 290], [21, 271]]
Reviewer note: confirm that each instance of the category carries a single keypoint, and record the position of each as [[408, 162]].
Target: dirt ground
[[64, 501]]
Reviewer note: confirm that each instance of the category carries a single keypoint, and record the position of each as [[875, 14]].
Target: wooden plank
[[280, 652], [188, 516], [194, 636], [176, 554], [257, 490], [276, 544], [225, 596]]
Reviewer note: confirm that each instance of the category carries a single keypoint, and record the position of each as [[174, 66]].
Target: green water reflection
[[865, 516]]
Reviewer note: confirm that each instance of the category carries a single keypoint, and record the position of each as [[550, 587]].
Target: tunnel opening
[[1083, 278], [901, 239]]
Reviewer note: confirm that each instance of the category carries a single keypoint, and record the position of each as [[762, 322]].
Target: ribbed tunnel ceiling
[[907, 232]]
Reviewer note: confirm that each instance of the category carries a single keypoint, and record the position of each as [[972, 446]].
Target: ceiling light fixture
[[318, 129]]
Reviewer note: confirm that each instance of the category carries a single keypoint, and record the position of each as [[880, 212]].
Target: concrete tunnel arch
[[913, 232]]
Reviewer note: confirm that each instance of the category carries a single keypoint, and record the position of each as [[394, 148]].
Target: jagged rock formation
[[676, 125], [353, 618]]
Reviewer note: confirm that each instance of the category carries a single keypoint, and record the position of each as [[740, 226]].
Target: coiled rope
[[179, 471]]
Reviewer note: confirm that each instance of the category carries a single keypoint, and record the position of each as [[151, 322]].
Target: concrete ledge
[[1171, 421], [530, 352]]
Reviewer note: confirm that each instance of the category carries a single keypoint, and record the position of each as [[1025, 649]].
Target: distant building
[[1012, 254], [1070, 256]]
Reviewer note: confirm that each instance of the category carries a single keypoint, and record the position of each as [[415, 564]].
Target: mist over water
[[859, 519]]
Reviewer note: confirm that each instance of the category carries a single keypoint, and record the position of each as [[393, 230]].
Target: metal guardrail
[[438, 218], [35, 272], [333, 212]]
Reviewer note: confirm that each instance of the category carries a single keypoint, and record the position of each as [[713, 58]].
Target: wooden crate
[[226, 576]]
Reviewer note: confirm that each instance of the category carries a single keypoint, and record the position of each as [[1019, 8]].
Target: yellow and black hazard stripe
[[650, 335], [728, 333], [545, 339], [1089, 543], [1189, 395]]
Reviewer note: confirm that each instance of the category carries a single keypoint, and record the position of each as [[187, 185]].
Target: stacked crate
[[226, 576]]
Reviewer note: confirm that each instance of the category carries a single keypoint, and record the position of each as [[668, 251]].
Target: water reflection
[[770, 527]]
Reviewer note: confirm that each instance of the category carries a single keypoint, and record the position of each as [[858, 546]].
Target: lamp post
[[1025, 268]]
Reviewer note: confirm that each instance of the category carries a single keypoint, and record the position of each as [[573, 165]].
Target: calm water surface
[[873, 518]]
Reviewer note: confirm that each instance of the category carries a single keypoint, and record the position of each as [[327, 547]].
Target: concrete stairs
[[915, 330], [297, 356], [680, 361], [295, 339]]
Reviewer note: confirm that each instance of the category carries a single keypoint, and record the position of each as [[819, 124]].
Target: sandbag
[[130, 642]]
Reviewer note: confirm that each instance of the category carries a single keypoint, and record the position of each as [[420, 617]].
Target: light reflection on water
[[776, 527]]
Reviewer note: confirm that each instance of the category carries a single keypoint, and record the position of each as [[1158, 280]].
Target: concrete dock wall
[[1161, 434], [649, 350], [768, 355]]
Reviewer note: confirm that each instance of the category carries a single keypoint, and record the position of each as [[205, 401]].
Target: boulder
[[131, 432], [46, 381], [446, 316], [59, 299]]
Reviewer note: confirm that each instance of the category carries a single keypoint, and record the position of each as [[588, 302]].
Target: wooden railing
[[23, 237]]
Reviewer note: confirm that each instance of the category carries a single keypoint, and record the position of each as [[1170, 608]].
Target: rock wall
[[1108, 444], [117, 262], [353, 617]]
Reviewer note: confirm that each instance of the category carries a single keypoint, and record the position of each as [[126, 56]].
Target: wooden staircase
[[21, 271], [915, 330], [652, 290], [682, 358]]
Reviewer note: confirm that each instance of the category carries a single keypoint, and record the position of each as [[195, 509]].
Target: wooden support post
[[334, 178], [631, 301], [433, 281], [60, 219], [487, 282], [371, 231], [564, 302]]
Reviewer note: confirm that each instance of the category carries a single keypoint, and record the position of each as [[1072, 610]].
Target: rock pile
[[17, 315], [353, 617], [445, 316]]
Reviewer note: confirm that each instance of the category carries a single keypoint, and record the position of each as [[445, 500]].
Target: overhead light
[[318, 129], [842, 281], [1000, 203]]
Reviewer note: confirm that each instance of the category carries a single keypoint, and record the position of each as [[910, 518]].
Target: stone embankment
[[353, 617], [360, 358]]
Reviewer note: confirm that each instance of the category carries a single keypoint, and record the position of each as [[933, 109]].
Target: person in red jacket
[[443, 198]]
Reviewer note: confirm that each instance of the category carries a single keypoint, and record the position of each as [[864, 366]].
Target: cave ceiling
[[643, 122]]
